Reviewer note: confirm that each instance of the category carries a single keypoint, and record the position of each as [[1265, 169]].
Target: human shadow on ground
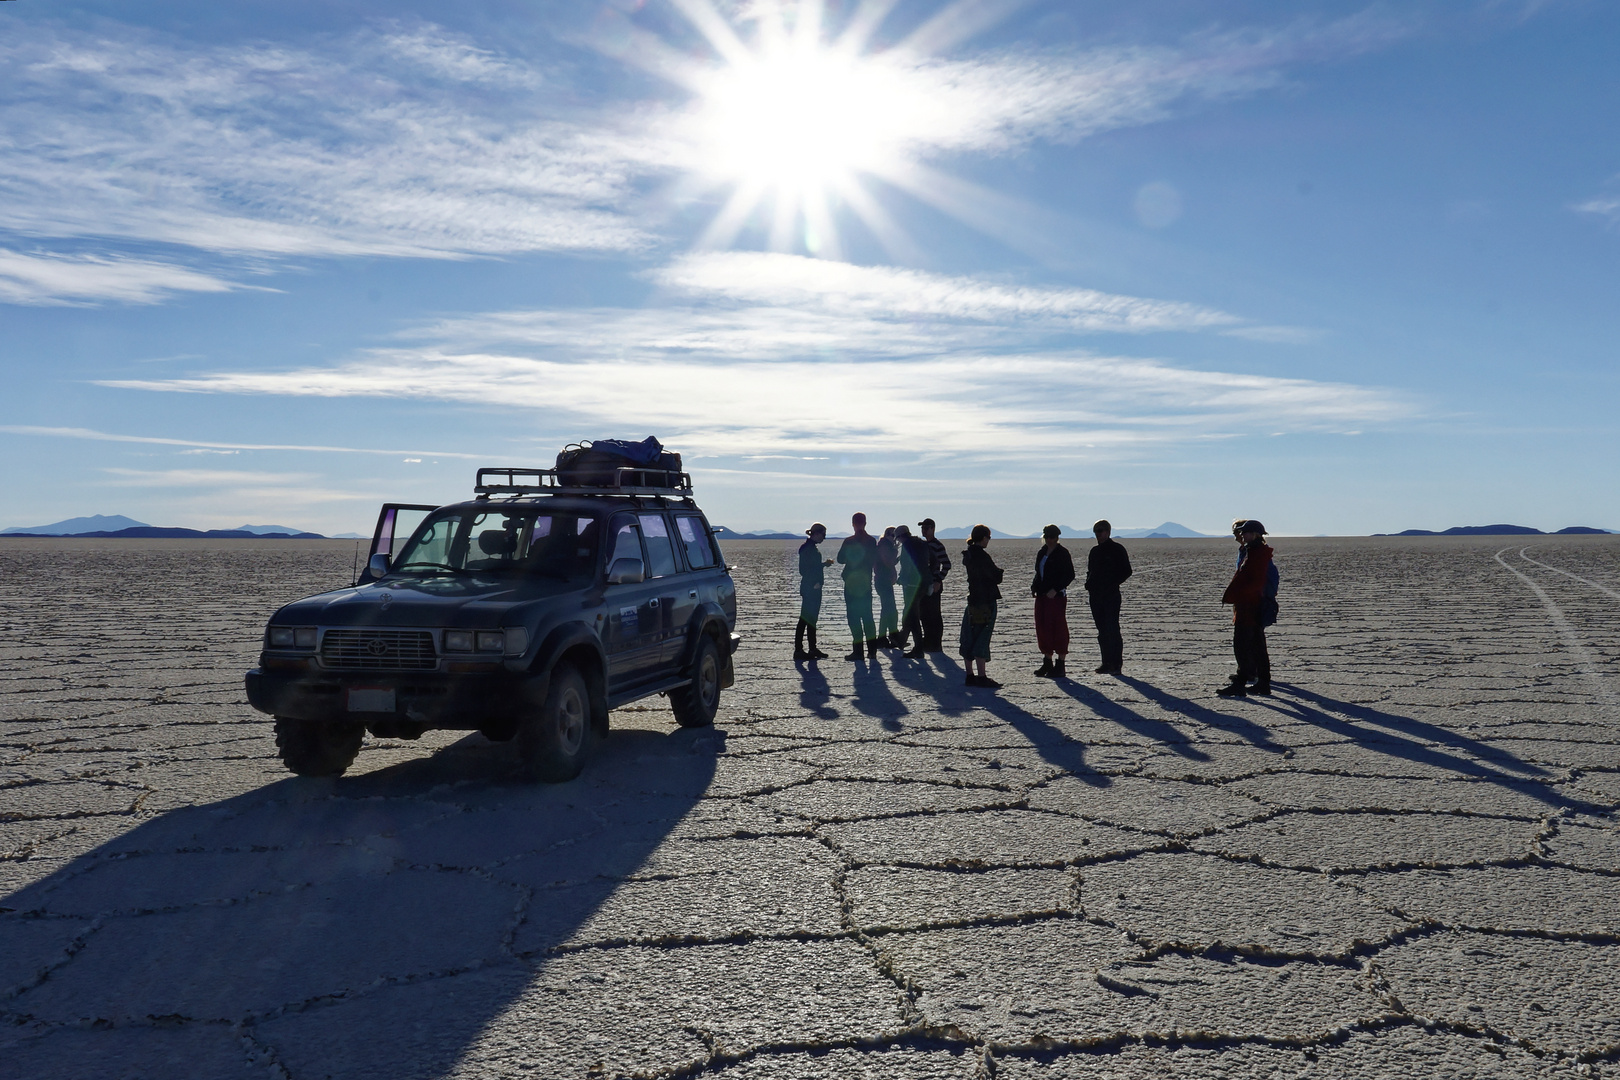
[[1399, 736], [371, 926], [1203, 714], [815, 693], [941, 677], [873, 697], [1160, 731]]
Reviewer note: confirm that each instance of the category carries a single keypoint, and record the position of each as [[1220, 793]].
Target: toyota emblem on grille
[[377, 647], [385, 599]]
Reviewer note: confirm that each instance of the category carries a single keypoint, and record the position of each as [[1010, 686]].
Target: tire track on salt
[[1584, 657]]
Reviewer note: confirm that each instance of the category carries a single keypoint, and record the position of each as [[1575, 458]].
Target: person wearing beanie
[[884, 572], [1247, 594], [979, 620], [1107, 568], [1054, 573], [811, 577]]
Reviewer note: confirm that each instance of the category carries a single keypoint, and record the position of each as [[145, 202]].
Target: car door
[[633, 618], [395, 524], [699, 559], [664, 568]]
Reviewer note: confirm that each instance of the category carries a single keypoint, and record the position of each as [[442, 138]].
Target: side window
[[694, 534], [660, 555], [626, 540]]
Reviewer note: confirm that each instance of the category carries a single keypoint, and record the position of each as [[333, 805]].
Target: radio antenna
[[354, 575]]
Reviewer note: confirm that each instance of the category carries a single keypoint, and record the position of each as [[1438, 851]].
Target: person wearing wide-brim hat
[[1054, 573], [1247, 593], [811, 577]]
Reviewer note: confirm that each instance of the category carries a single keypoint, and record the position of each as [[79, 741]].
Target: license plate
[[371, 699]]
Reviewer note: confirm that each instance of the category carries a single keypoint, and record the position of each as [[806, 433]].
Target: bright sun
[[791, 123]]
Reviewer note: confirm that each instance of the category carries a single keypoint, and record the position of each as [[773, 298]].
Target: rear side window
[[626, 541], [660, 555], [694, 536]]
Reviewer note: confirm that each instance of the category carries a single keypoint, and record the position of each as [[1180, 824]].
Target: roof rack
[[622, 481]]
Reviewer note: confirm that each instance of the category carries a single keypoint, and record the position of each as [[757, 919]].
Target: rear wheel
[[697, 702], [555, 741], [309, 748]]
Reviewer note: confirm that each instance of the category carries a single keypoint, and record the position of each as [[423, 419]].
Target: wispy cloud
[[412, 142], [44, 278], [152, 440]]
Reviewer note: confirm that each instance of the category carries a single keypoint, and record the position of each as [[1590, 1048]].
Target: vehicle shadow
[[1203, 714], [1402, 737], [373, 926]]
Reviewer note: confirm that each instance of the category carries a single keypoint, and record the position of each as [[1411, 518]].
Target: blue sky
[[1345, 267]]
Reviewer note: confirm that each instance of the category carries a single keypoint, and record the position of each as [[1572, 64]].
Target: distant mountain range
[[116, 526], [1501, 530]]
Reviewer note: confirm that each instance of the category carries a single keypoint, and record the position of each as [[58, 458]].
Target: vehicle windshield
[[515, 540]]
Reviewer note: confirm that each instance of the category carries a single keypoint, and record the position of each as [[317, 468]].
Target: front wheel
[[317, 749], [555, 741], [697, 702]]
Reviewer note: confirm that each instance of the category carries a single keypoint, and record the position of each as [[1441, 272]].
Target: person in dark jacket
[[884, 569], [979, 620], [1247, 593], [915, 570], [858, 553], [811, 577], [1107, 568], [1054, 573], [933, 620]]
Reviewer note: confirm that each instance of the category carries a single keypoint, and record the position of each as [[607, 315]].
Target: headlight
[[491, 641], [458, 641], [281, 637], [517, 640], [304, 637]]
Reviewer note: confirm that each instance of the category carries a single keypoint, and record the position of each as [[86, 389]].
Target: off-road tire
[[555, 740], [696, 703], [309, 748]]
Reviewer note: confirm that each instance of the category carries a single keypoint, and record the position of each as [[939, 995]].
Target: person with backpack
[[858, 554], [1107, 568], [1247, 595], [979, 620], [915, 570], [1054, 573], [811, 577]]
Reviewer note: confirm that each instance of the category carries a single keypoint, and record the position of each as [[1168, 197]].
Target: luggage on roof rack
[[599, 463]]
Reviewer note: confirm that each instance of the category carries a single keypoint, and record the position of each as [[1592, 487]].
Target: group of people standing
[[873, 566]]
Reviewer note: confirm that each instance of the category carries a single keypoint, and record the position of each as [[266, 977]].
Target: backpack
[[596, 464], [1268, 602]]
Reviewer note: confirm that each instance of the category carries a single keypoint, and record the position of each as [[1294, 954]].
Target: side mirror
[[377, 566], [626, 572]]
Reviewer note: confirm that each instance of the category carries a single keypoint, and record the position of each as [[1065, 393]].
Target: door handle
[[653, 602], [693, 594]]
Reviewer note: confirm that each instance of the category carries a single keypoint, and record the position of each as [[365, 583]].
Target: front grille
[[378, 650]]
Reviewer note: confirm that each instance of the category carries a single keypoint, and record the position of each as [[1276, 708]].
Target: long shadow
[[319, 920], [1203, 714], [874, 698], [815, 694], [1052, 744], [1390, 735], [1160, 731]]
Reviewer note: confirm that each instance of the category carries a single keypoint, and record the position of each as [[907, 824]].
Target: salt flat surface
[[1405, 863]]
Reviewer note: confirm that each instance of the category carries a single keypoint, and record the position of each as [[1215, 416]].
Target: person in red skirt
[[1054, 573]]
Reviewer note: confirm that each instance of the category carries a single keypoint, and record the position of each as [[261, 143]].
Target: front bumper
[[426, 699]]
